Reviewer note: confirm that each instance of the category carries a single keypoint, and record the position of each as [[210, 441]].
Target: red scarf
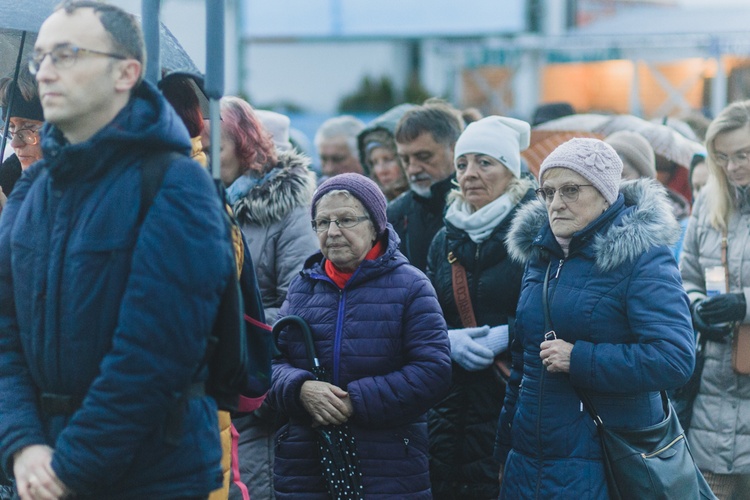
[[340, 277]]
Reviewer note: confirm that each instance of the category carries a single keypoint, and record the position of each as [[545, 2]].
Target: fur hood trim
[[271, 201], [649, 224]]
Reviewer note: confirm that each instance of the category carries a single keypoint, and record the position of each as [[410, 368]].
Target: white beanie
[[499, 137], [277, 125]]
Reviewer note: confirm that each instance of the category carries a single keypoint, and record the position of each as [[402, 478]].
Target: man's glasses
[[740, 158], [333, 159], [29, 136], [322, 225], [569, 193], [65, 56]]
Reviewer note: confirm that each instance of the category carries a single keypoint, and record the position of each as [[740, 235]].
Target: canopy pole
[[215, 76], [9, 104], [150, 23]]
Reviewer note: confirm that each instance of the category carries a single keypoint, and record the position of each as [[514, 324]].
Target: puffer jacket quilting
[[391, 355], [627, 345]]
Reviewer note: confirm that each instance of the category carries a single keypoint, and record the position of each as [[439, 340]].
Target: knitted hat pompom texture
[[593, 159], [499, 137], [362, 188]]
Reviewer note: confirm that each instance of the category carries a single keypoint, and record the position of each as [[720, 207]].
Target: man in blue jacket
[[104, 319]]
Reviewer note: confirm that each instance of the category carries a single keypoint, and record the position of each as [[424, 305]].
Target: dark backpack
[[241, 345]]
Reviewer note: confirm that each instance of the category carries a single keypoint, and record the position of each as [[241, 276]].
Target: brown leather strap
[[461, 293], [724, 263]]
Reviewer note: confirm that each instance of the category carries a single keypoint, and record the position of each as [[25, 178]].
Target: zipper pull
[[559, 266]]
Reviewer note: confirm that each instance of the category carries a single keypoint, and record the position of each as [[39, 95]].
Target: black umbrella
[[338, 451], [20, 22]]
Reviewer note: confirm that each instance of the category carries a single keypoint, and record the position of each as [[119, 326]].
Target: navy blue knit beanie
[[362, 188]]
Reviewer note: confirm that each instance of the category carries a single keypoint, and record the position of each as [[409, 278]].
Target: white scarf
[[480, 224]]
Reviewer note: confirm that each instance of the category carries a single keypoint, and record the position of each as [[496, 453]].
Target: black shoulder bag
[[648, 463]]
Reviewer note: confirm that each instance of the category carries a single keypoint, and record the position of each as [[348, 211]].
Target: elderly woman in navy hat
[[621, 319], [378, 330]]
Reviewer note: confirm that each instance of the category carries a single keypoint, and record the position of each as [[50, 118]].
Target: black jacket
[[417, 219], [10, 172], [463, 425]]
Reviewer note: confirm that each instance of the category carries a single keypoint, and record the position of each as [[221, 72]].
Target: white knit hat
[[595, 160], [499, 137], [277, 125]]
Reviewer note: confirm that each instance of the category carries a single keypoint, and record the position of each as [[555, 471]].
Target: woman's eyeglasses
[[569, 193], [740, 158], [322, 225], [29, 136]]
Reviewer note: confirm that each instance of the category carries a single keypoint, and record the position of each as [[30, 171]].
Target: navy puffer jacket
[[618, 298], [92, 308], [384, 340]]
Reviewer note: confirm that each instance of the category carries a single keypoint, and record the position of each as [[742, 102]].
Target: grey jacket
[[719, 434], [275, 219]]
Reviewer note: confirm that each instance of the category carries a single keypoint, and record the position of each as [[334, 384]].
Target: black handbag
[[647, 463]]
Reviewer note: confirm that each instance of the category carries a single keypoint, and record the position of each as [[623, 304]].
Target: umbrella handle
[[306, 336]]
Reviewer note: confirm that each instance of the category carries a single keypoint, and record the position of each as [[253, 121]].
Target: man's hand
[[326, 403], [35, 479]]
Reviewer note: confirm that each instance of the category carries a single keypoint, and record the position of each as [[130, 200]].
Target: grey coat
[[275, 219], [720, 429]]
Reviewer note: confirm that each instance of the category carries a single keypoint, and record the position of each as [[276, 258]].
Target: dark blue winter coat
[[618, 298], [384, 340], [114, 318]]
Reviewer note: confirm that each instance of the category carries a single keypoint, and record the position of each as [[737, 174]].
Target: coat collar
[[640, 220]]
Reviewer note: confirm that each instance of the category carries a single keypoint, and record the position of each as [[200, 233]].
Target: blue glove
[[466, 351], [496, 340]]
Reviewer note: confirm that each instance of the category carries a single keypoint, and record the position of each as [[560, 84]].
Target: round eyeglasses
[[29, 136], [322, 225], [65, 56], [740, 158], [569, 193]]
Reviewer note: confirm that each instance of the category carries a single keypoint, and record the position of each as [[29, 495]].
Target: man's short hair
[[438, 118], [123, 28], [346, 126]]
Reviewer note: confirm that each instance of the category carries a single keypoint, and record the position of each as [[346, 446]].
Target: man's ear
[[128, 73]]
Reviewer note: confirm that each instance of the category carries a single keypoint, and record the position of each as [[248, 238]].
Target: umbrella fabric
[[543, 142], [18, 16], [666, 141]]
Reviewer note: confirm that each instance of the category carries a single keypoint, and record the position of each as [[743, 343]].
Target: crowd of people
[[458, 302]]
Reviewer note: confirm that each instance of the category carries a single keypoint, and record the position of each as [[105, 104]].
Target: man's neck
[[92, 124]]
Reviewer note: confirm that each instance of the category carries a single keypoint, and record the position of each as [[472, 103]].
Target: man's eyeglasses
[[322, 225], [29, 136], [65, 56], [740, 158], [569, 193]]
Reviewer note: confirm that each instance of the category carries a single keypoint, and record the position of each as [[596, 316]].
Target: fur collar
[[645, 222], [271, 201]]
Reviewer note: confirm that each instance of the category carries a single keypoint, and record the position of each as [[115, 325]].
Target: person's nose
[[17, 142], [46, 69], [471, 169], [333, 229], [557, 202]]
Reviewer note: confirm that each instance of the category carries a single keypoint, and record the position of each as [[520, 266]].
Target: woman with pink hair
[[270, 191]]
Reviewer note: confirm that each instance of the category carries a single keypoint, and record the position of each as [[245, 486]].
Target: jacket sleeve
[[508, 411], [181, 263], [286, 379], [662, 354], [402, 396], [20, 425], [691, 270], [296, 242]]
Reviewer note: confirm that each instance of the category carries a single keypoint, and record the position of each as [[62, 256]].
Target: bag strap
[[461, 292], [582, 395], [153, 170], [724, 262]]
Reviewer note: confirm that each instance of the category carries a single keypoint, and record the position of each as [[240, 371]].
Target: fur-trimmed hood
[[644, 221], [291, 187]]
